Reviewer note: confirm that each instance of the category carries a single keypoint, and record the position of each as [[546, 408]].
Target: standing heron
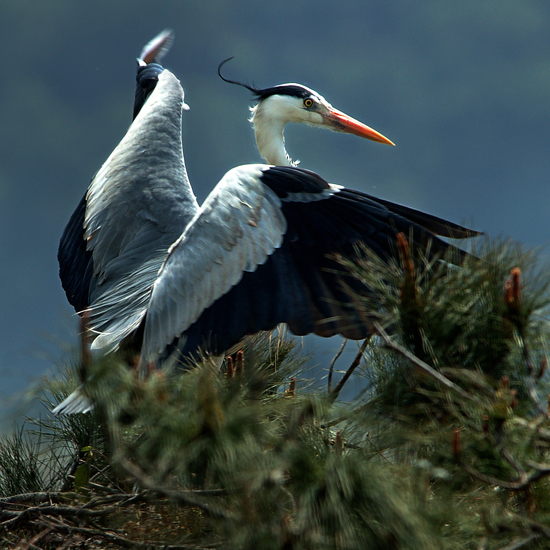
[[136, 206], [148, 264]]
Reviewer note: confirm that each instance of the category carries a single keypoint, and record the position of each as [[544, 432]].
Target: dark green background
[[463, 88]]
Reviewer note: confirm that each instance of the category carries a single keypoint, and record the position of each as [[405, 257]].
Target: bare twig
[[519, 543], [333, 362], [540, 470], [37, 498], [111, 537], [419, 363], [121, 499], [537, 529], [69, 511], [34, 497], [335, 421], [188, 498], [61, 519], [513, 462], [30, 545], [355, 363]]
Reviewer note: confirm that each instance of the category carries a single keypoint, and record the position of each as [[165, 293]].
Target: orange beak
[[340, 122]]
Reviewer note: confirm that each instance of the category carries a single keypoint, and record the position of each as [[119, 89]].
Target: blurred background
[[462, 88]]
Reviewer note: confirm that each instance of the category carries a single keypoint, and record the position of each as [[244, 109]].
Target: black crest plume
[[257, 92], [261, 93]]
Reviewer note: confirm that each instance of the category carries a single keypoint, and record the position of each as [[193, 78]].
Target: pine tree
[[446, 446]]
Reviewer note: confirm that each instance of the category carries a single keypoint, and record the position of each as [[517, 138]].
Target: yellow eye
[[308, 102]]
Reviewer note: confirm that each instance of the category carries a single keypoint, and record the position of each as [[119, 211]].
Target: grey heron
[[147, 263], [136, 206]]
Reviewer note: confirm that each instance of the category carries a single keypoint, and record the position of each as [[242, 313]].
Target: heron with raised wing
[[149, 265]]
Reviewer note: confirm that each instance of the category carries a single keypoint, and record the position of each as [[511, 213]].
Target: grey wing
[[137, 205], [262, 252], [239, 226]]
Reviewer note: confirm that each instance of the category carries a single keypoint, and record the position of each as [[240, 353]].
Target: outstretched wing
[[259, 253], [434, 224]]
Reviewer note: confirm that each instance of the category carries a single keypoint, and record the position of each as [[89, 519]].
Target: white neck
[[268, 129]]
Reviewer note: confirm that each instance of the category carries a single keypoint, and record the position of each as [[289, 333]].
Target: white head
[[296, 103], [286, 103]]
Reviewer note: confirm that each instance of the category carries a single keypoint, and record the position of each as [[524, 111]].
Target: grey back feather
[[138, 204]]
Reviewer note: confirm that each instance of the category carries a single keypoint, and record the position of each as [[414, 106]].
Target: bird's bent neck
[[161, 140], [270, 140]]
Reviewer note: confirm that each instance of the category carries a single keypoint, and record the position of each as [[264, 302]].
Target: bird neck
[[269, 132]]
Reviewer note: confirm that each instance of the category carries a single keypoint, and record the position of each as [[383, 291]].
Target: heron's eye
[[308, 102]]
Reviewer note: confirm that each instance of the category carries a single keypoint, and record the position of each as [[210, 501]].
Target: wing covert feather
[[239, 226]]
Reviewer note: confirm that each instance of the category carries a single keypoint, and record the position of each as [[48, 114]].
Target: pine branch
[[419, 363]]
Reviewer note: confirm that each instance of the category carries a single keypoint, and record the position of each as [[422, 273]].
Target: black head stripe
[[294, 90]]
